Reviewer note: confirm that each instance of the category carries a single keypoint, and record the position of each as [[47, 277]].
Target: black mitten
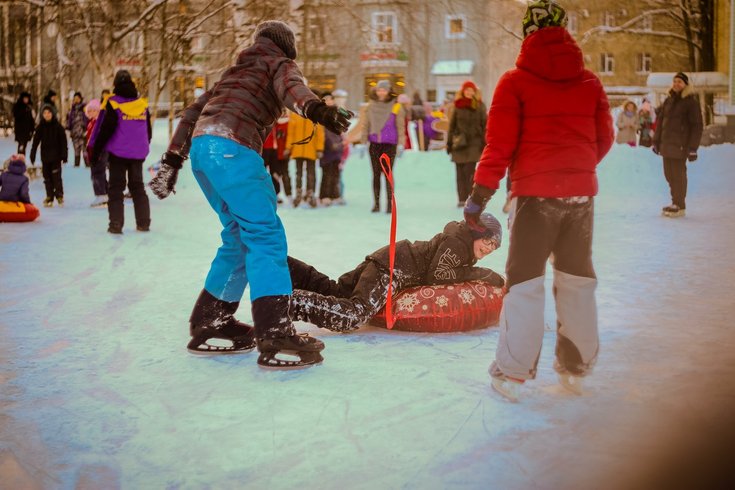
[[336, 119], [164, 182]]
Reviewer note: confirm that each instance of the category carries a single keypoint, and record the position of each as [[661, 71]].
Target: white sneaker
[[99, 201], [509, 388], [572, 383]]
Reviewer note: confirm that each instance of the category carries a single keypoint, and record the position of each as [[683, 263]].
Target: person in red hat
[[466, 137]]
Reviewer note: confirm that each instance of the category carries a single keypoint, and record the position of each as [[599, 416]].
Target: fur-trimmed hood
[[688, 90]]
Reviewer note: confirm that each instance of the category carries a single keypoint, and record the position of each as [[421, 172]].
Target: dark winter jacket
[[447, 258], [76, 122], [52, 138], [245, 104], [679, 125], [333, 148], [469, 118], [14, 184], [23, 119], [549, 121]]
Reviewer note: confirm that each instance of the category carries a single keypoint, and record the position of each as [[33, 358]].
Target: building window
[[19, 36], [607, 64], [647, 23], [431, 95], [572, 23], [385, 28], [643, 63], [454, 26], [608, 19]]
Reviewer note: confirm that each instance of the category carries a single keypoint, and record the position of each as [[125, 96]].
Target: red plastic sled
[[447, 308], [16, 212]]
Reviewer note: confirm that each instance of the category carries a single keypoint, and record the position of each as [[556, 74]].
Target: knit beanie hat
[[492, 228], [683, 76], [280, 33], [543, 13], [469, 84], [384, 84], [17, 158], [92, 106]]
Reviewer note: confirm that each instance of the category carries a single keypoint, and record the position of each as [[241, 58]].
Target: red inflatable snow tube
[[447, 308], [16, 212]]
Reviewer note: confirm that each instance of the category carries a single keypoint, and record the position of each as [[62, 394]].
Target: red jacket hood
[[551, 53]]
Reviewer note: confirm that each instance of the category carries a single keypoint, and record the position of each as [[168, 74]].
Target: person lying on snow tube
[[358, 295], [15, 202]]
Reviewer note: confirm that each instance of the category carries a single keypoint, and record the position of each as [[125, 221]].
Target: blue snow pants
[[240, 190]]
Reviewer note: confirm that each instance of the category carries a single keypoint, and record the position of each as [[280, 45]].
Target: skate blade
[[218, 352], [507, 389], [268, 360], [206, 349]]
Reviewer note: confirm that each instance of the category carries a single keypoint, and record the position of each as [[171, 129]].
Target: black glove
[[655, 149], [475, 205], [335, 119], [165, 180], [692, 156]]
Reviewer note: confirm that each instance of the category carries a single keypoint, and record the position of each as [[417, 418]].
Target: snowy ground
[[97, 390]]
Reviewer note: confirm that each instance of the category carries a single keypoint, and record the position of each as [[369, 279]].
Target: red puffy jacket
[[549, 122]]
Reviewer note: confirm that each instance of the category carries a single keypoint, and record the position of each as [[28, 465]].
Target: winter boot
[[277, 336], [77, 160], [673, 211], [311, 199], [48, 202], [297, 198], [60, 201], [99, 201], [213, 318], [115, 228], [506, 386], [569, 381]]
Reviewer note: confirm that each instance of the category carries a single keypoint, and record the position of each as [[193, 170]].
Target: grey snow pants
[[561, 229]]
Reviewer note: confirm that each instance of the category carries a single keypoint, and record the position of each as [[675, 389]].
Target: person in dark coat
[[225, 129], [49, 100], [50, 135], [358, 295], [678, 133], [466, 137], [23, 121], [124, 131], [13, 182], [330, 161], [76, 124]]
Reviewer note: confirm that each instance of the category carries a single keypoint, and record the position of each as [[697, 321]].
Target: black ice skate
[[306, 348], [213, 318]]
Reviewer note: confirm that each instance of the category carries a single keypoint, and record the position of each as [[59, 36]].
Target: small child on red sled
[[358, 295]]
